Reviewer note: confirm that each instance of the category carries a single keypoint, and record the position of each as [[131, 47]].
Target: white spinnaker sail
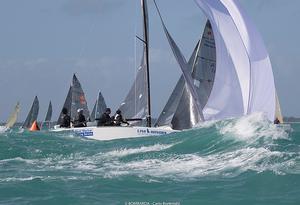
[[135, 104], [33, 114], [13, 116], [278, 113], [244, 81], [99, 107]]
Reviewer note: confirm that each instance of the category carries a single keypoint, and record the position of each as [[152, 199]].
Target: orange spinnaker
[[34, 126]]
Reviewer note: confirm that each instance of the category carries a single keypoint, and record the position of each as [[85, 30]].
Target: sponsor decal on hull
[[151, 132], [84, 133]]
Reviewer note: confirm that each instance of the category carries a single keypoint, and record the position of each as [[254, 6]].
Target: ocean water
[[238, 161]]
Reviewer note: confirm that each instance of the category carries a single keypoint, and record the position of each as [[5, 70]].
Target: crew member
[[105, 119], [65, 118], [80, 121], [118, 119]]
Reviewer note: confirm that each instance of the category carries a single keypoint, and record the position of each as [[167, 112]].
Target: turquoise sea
[[238, 161]]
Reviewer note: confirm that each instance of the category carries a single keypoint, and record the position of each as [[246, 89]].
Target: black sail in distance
[[33, 113]]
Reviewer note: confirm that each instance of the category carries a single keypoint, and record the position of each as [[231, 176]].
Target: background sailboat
[[13, 116], [33, 114], [75, 100], [47, 122], [98, 108], [12, 119], [278, 114]]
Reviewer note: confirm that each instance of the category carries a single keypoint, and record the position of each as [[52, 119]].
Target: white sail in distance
[[13, 116], [278, 113]]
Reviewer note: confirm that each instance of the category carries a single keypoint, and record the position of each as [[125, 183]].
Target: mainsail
[[49, 113], [33, 113], [137, 101], [13, 116], [99, 107], [178, 112], [78, 99], [75, 100]]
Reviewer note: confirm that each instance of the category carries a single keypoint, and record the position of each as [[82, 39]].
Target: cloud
[[83, 7]]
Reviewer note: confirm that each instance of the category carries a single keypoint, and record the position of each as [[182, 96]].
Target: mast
[[146, 41]]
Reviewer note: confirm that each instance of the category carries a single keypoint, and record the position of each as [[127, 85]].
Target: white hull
[[112, 133]]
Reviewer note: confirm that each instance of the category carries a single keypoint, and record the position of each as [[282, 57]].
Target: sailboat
[[48, 117], [33, 114], [99, 107], [75, 100], [12, 119], [278, 114], [243, 79], [136, 104]]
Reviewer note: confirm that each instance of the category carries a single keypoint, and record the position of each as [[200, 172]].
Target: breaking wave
[[219, 149]]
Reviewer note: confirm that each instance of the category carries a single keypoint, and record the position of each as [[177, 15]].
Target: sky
[[42, 43]]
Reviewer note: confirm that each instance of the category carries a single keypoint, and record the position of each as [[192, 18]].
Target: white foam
[[143, 149], [191, 166], [252, 127]]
